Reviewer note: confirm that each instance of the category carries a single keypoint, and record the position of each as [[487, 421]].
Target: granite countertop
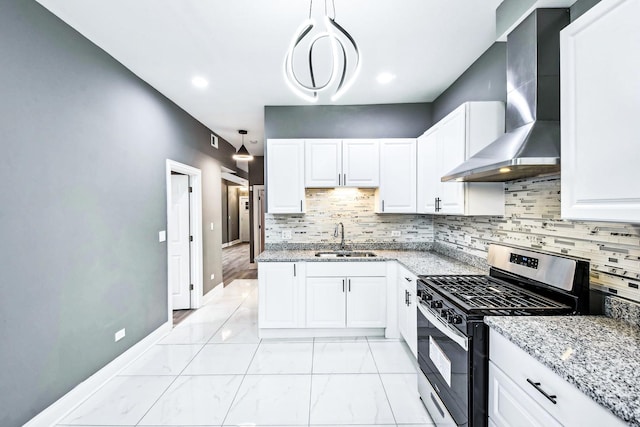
[[604, 362], [418, 262]]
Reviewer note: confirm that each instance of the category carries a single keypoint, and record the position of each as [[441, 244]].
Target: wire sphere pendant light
[[300, 74], [242, 154]]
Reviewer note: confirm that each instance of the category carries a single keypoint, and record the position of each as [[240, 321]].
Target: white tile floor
[[213, 370]]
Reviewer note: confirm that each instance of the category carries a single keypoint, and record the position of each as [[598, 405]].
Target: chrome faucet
[[335, 234]]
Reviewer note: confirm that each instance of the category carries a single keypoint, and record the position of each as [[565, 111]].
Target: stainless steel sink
[[345, 254]]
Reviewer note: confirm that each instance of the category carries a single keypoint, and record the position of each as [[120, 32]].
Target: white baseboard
[[213, 293], [320, 332], [234, 242], [61, 407]]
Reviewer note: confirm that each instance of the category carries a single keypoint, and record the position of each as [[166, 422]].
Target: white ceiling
[[239, 47]]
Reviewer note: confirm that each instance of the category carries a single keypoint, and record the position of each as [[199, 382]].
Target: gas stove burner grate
[[487, 293]]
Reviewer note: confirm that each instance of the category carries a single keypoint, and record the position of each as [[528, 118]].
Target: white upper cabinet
[[600, 104], [360, 163], [333, 163], [446, 145], [397, 192], [285, 176]]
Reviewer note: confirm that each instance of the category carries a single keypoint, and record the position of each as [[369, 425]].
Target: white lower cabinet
[[346, 295], [524, 392], [407, 316], [281, 295]]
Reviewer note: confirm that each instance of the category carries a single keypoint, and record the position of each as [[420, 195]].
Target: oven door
[[443, 355]]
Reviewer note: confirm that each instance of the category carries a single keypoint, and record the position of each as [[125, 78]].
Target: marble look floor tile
[[242, 327], [342, 357], [392, 357], [121, 401], [215, 311], [222, 359], [163, 360], [282, 358], [349, 399], [340, 339], [192, 333], [271, 400], [402, 392], [194, 400]]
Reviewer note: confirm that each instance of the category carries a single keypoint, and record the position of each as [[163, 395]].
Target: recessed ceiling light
[[199, 82], [384, 78]]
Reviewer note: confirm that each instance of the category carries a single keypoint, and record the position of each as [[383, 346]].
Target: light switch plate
[[286, 234], [211, 226], [120, 334], [162, 236], [396, 233]]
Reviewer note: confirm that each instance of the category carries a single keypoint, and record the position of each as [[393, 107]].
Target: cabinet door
[[428, 185], [326, 302], [407, 308], [398, 165], [600, 89], [360, 163], [323, 163], [285, 176], [451, 153], [366, 302], [510, 406], [278, 290]]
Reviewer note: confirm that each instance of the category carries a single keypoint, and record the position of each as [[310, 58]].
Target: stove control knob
[[455, 319], [445, 313], [436, 304]]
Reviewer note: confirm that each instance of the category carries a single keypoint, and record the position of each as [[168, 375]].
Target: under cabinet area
[[331, 163], [600, 89], [524, 392], [346, 295], [407, 319], [446, 145]]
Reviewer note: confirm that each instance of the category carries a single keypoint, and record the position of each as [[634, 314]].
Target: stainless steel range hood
[[531, 144]]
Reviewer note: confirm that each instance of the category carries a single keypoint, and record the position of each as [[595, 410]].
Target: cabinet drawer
[[520, 367], [509, 405], [347, 268]]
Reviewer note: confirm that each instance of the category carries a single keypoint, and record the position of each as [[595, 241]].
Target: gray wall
[[82, 172], [484, 80], [580, 7], [347, 121]]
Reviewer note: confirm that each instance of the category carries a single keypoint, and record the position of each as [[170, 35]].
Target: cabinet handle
[[349, 285], [551, 397], [342, 285], [294, 270], [406, 297], [339, 179], [408, 279], [300, 205], [344, 180], [383, 206]]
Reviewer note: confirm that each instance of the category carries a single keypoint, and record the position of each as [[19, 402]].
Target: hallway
[[236, 265], [213, 370]]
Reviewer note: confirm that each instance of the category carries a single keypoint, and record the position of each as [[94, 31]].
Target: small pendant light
[[242, 153]]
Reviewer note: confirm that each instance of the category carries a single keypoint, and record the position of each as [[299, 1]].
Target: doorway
[[258, 219], [184, 237]]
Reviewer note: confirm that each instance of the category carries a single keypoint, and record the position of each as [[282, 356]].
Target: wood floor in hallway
[[236, 265]]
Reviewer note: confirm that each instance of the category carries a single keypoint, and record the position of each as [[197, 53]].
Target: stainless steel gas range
[[453, 345]]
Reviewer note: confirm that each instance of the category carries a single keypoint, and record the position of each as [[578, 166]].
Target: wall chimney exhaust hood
[[531, 144]]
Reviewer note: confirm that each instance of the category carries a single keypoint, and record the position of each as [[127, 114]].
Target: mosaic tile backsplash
[[532, 220], [354, 207]]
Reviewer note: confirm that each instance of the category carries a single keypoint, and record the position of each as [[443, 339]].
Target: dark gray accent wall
[[82, 177], [347, 121], [484, 80], [580, 7]]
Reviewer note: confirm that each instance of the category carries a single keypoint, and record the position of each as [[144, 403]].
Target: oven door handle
[[452, 334]]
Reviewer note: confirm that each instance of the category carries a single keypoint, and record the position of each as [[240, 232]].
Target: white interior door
[[243, 210], [178, 236]]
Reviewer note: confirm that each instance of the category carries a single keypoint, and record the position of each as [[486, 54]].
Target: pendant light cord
[[333, 6]]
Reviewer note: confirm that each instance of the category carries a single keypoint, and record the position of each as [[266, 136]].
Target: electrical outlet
[[286, 234], [120, 334], [212, 276], [211, 226], [396, 233], [162, 236]]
